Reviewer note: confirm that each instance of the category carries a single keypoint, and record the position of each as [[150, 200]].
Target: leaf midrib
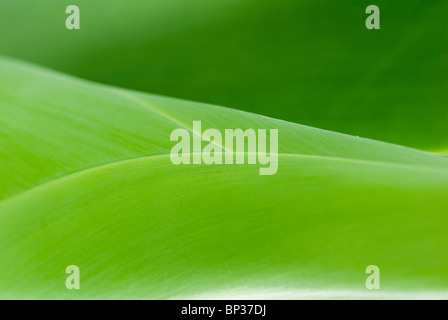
[[151, 108], [75, 174]]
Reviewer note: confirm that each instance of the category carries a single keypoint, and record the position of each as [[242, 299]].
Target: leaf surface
[[87, 180], [309, 62]]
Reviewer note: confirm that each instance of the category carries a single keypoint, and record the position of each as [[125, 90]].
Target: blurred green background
[[308, 61]]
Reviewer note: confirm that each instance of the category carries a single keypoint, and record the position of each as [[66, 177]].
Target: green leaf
[[310, 62], [87, 181]]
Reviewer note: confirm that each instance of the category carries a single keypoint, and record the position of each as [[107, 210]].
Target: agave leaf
[[87, 181], [311, 62]]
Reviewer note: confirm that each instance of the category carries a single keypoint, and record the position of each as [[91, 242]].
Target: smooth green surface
[[307, 61], [87, 180]]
